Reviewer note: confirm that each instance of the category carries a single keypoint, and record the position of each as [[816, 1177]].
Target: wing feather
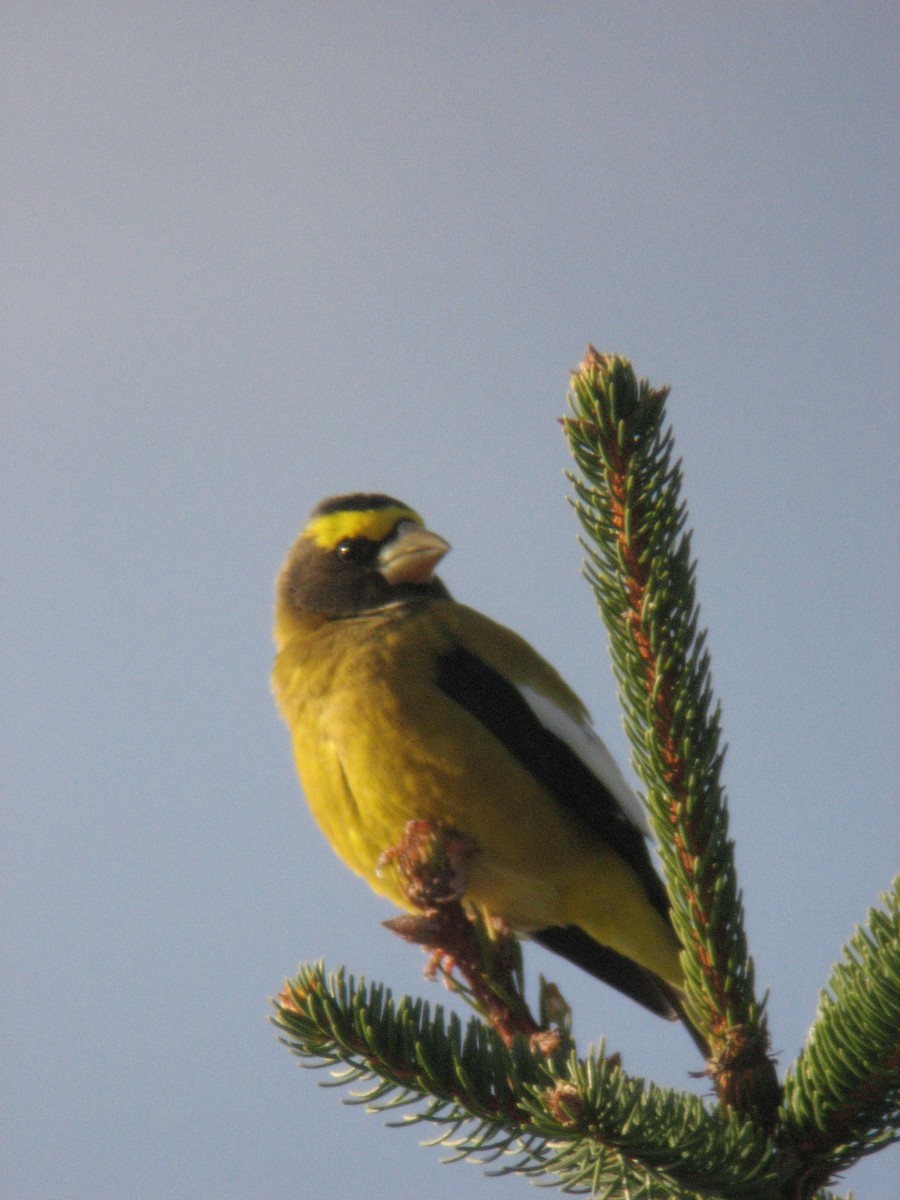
[[574, 783]]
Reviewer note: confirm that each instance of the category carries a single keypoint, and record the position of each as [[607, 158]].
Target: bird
[[405, 705]]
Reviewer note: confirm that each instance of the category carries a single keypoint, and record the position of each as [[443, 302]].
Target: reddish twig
[[481, 952]]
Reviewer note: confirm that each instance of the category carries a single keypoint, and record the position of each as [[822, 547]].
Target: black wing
[[502, 709]]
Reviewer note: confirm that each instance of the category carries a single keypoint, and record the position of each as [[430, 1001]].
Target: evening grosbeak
[[404, 705]]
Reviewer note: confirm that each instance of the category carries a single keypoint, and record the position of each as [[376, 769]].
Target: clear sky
[[256, 254]]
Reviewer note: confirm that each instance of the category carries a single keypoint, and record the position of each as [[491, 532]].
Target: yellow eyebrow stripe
[[374, 523]]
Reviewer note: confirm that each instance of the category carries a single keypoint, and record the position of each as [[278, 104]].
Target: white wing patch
[[581, 739]]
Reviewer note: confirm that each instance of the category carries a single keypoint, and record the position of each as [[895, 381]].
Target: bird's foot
[[432, 863], [473, 952]]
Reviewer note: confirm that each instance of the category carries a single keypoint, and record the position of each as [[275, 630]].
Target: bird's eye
[[353, 550]]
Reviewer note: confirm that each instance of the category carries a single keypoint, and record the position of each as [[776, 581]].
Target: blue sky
[[259, 254]]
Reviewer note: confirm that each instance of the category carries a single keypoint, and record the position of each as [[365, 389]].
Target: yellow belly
[[377, 745]]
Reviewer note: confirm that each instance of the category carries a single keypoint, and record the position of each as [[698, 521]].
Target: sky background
[[256, 254]]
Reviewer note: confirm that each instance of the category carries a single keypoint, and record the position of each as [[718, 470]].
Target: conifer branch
[[842, 1096], [641, 569], [586, 1123]]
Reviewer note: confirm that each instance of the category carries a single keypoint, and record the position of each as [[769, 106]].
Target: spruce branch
[[842, 1096], [584, 1123], [628, 498]]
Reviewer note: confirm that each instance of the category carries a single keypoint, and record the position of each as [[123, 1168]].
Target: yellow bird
[[406, 705]]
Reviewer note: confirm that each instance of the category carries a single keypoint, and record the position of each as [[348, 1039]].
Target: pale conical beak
[[412, 554]]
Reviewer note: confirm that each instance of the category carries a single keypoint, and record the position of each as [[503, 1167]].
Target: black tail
[[619, 972]]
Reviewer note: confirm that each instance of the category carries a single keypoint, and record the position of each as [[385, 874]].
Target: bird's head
[[358, 554]]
